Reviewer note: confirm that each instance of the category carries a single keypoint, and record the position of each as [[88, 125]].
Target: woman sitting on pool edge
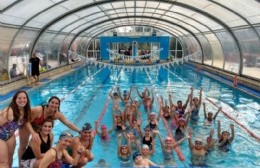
[[38, 114], [36, 149], [224, 140], [85, 140], [53, 157]]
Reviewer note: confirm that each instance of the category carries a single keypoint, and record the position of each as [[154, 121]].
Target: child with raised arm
[[141, 162], [166, 112], [209, 118], [115, 98], [126, 98], [104, 133], [145, 94], [182, 125], [198, 151], [168, 148], [179, 109], [123, 151], [224, 139], [195, 104]]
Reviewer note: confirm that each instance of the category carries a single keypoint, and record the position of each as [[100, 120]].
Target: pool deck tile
[[11, 93]]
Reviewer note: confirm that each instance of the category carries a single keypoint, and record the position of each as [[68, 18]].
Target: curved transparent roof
[[76, 15]]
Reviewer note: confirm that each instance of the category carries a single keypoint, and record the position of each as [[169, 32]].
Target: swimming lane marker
[[76, 88], [237, 122]]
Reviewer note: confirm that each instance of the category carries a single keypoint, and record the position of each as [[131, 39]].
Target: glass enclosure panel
[[218, 58], [63, 22], [23, 10], [5, 3], [184, 41], [44, 50], [249, 9], [75, 3], [47, 16], [19, 53], [5, 42], [226, 16], [72, 26], [207, 51], [231, 52], [250, 47], [118, 4], [207, 21], [194, 48]]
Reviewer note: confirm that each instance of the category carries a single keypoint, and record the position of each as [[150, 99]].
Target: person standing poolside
[[35, 69], [12, 118], [36, 149], [85, 139], [37, 117], [13, 72], [53, 157]]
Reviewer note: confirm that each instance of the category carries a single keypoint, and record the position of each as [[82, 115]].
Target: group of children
[[134, 143], [140, 142]]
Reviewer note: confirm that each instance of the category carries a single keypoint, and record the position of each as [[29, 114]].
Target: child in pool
[[209, 118]]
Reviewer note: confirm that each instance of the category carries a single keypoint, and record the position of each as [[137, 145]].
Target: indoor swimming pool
[[84, 94]]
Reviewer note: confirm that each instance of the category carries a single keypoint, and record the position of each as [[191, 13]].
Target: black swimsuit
[[149, 142]]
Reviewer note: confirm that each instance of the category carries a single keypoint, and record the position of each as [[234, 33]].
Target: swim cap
[[125, 91], [168, 138], [182, 119], [115, 94], [65, 134], [198, 140], [145, 146], [152, 113], [147, 128], [103, 127], [135, 155], [86, 127]]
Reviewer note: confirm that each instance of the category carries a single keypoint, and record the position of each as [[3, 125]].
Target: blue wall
[[163, 40]]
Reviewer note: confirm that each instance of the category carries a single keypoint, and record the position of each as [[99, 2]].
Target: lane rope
[[237, 122]]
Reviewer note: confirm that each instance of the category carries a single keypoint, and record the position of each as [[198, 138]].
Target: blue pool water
[[85, 92]]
